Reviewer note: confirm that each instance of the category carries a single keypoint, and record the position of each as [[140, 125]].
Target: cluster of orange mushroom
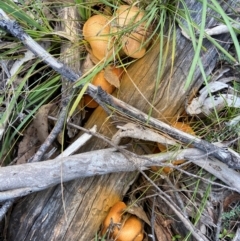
[[108, 36], [120, 229], [104, 33]]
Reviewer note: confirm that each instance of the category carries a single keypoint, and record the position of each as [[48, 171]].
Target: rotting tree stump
[[74, 211]]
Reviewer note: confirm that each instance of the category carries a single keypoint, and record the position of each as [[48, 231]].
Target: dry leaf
[[41, 122], [161, 233], [139, 212], [34, 135], [111, 76], [29, 145]]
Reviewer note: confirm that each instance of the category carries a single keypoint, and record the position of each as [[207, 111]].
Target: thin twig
[[178, 199], [153, 220], [219, 221], [52, 136], [78, 143]]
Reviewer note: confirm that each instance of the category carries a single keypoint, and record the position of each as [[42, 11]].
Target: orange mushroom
[[100, 80], [131, 229], [114, 215], [183, 127], [133, 42], [96, 32]]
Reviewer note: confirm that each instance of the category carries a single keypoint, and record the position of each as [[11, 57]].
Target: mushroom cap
[[96, 32], [126, 15], [132, 43], [131, 46], [99, 80], [139, 237], [90, 102], [184, 127], [132, 230], [114, 215]]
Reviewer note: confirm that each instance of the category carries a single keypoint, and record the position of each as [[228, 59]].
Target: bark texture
[[74, 211]]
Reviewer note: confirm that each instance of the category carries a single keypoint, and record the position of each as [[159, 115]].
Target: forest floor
[[137, 103]]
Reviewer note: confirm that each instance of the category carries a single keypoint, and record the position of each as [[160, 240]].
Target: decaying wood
[[139, 132], [74, 211]]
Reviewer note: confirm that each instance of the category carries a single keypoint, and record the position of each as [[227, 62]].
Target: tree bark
[[74, 211]]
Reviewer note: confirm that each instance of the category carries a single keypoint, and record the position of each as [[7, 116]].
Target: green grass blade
[[17, 13], [196, 58], [230, 28]]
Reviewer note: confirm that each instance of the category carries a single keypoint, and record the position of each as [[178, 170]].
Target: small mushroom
[[133, 42], [101, 80], [114, 215], [96, 32], [132, 230]]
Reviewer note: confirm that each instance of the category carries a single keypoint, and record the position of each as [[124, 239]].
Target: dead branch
[[21, 180], [223, 154], [139, 132]]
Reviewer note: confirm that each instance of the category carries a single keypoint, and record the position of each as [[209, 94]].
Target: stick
[[42, 175], [223, 154], [78, 143]]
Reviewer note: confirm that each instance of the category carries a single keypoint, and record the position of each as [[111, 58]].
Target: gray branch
[[21, 180]]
